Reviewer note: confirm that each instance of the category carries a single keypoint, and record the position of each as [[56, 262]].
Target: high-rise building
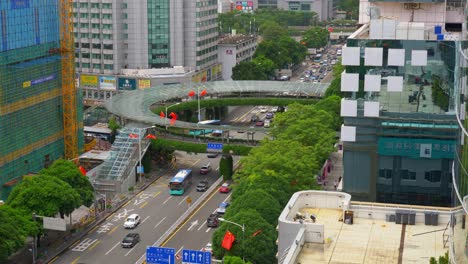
[[115, 35], [405, 79], [32, 110]]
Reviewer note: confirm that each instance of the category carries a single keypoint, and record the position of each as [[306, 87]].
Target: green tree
[[442, 259], [248, 70], [332, 105], [265, 65], [296, 51], [44, 195], [335, 85], [260, 248], [259, 200], [113, 126], [68, 172], [351, 7], [306, 124], [16, 226], [315, 37], [275, 52], [225, 166], [271, 30], [160, 151], [234, 260], [296, 163]]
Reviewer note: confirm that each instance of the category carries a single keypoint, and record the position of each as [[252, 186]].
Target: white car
[[208, 248], [263, 109], [132, 221]]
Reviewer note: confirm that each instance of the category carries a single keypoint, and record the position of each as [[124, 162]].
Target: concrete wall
[[137, 41], [227, 55]]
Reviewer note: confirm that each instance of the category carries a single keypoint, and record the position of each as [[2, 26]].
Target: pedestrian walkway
[[333, 181]]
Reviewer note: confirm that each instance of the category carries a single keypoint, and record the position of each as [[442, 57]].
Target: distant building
[[323, 8], [117, 36], [234, 49]]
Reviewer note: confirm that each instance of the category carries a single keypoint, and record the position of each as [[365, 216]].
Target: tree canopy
[[68, 172], [44, 195], [257, 244], [248, 70], [16, 226], [315, 37]]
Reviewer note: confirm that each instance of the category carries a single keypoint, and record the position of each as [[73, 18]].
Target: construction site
[[40, 107]]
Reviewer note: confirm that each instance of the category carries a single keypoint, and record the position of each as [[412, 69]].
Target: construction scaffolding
[[31, 96]]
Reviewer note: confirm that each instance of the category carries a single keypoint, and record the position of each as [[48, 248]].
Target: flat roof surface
[[370, 241]]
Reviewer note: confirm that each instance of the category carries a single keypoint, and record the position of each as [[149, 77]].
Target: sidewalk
[[336, 173], [57, 242]]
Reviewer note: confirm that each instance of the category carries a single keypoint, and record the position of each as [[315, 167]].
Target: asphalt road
[[158, 211]]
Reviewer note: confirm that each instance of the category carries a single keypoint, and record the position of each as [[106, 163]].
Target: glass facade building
[[158, 33]]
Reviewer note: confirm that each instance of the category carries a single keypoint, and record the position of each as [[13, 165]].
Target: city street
[[158, 211]]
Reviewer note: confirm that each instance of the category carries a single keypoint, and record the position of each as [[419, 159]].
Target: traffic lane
[[108, 246], [194, 234]]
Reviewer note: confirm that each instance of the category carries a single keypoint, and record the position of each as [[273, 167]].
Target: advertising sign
[[19, 4], [89, 80], [416, 148], [54, 223], [144, 84], [107, 83], [39, 80], [244, 5], [127, 84]]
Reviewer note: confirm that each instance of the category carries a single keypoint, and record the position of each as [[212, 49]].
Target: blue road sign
[[215, 146], [160, 255], [196, 257]]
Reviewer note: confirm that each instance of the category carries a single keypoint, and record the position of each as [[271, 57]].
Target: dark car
[[269, 115], [212, 220], [205, 169], [212, 155], [202, 186], [130, 240]]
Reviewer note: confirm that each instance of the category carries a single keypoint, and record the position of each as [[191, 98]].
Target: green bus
[[180, 182]]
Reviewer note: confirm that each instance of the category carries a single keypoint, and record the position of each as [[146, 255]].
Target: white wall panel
[[349, 82], [372, 83]]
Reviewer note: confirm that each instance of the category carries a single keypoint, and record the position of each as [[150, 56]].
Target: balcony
[[96, 61], [108, 62], [95, 20], [107, 31], [95, 31], [96, 51], [108, 52], [107, 41], [107, 21]]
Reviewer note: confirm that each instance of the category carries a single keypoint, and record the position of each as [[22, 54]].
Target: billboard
[[88, 80], [144, 84], [107, 83], [244, 6], [417, 148], [39, 80], [127, 84], [52, 223]]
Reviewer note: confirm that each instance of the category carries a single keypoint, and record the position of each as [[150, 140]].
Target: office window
[[408, 175], [94, 5], [96, 56], [124, 6], [108, 67], [96, 66], [83, 5], [96, 46], [106, 26], [84, 25], [84, 35], [95, 15], [85, 65], [385, 173], [95, 26], [432, 176], [106, 6], [84, 15], [108, 57], [106, 16], [96, 36]]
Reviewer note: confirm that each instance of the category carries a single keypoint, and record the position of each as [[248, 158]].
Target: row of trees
[[303, 136], [251, 23], [57, 190]]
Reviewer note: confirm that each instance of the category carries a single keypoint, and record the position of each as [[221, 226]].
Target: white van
[[266, 123]]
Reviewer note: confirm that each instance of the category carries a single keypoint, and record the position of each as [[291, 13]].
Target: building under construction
[[40, 109]]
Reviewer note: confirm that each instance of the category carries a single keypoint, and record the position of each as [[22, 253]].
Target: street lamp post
[[243, 233], [167, 107], [139, 150]]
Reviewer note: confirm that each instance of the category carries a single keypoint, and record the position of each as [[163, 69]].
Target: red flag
[[151, 136], [191, 93], [203, 93], [133, 135], [82, 170], [256, 232], [173, 117], [162, 115], [228, 240]]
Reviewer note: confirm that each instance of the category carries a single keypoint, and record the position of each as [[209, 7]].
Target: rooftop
[[370, 241], [327, 227], [235, 39]]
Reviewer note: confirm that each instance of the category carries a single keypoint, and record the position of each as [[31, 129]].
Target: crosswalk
[[83, 245]]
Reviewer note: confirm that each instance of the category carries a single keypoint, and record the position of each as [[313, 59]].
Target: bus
[[198, 132], [180, 182], [210, 122]]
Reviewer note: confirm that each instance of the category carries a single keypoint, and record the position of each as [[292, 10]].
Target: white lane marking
[[208, 230], [159, 222], [145, 219], [107, 253], [83, 245], [202, 225], [183, 200], [192, 224], [180, 249], [131, 250], [167, 200]]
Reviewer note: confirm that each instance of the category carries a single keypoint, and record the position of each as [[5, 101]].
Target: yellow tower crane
[[67, 52]]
